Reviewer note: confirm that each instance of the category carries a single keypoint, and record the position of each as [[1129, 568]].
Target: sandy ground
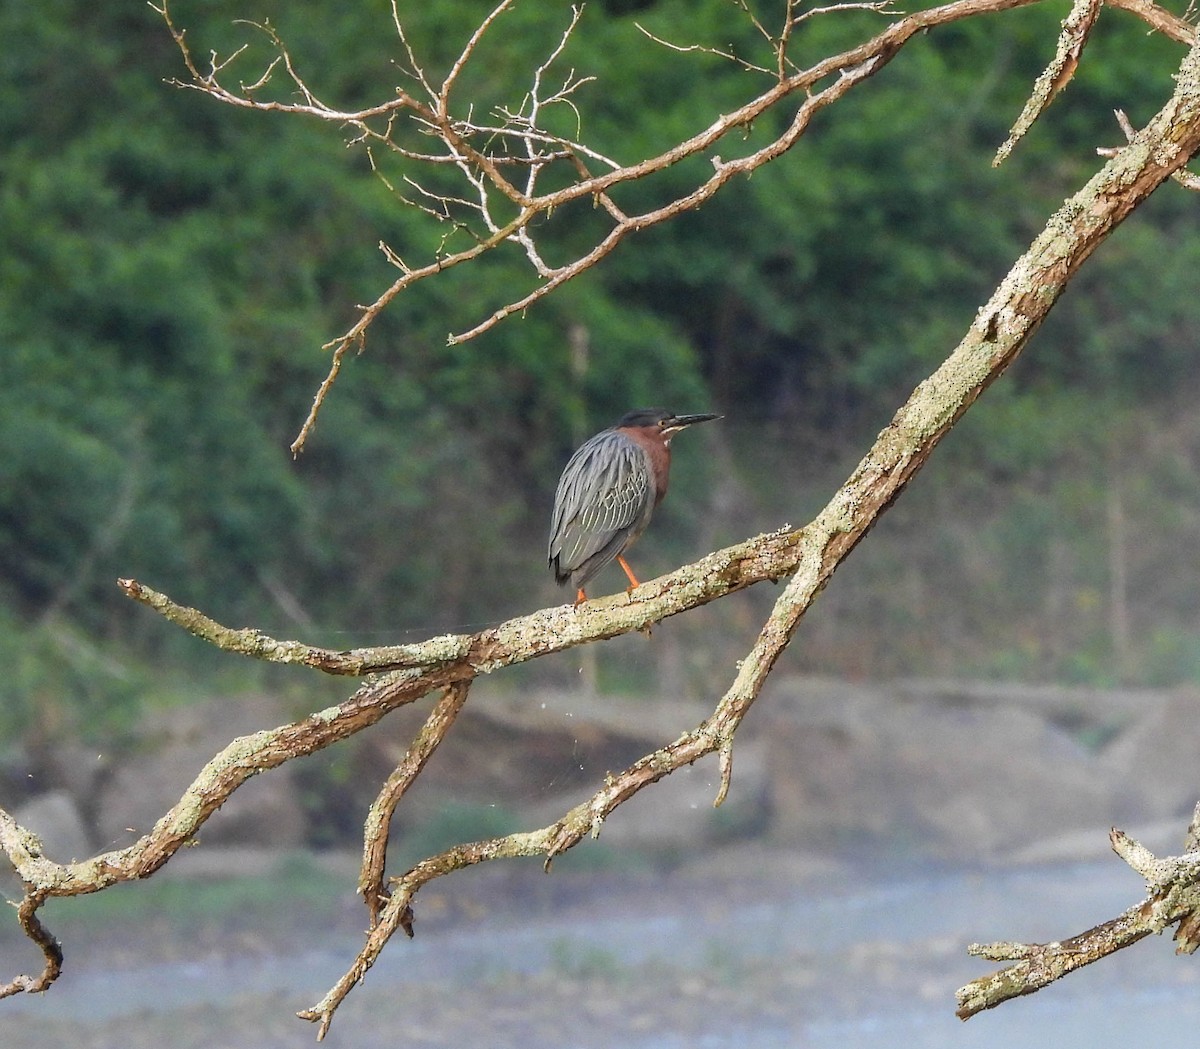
[[748, 949]]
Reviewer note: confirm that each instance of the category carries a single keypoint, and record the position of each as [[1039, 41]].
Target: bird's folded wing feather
[[602, 493]]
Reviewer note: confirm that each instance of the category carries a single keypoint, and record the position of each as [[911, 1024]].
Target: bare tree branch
[[481, 168], [811, 555], [1075, 30], [1173, 895], [470, 145], [705, 49], [1001, 330], [31, 925], [1159, 19], [379, 817], [770, 556], [1187, 932]]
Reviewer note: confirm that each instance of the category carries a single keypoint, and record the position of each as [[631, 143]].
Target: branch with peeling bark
[[1172, 896]]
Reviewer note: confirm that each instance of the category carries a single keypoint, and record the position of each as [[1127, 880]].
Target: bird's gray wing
[[601, 504]]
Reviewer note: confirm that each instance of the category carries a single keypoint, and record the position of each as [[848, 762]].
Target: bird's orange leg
[[580, 597], [633, 580]]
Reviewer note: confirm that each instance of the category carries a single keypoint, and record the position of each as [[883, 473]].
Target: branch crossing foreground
[[397, 675]]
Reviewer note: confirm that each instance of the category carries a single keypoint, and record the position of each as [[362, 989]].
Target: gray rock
[[1155, 761], [884, 767], [54, 817], [175, 745]]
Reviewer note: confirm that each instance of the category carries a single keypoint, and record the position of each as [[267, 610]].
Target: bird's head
[[660, 422]]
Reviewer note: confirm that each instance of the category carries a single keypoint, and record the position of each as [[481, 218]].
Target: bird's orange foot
[[633, 580], [580, 597]]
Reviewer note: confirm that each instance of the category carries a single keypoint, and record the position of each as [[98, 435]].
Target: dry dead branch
[[1076, 28], [480, 150], [1173, 896]]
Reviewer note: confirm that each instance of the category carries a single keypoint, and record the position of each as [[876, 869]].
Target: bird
[[608, 492]]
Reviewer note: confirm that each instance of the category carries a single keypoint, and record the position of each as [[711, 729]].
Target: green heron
[[608, 492]]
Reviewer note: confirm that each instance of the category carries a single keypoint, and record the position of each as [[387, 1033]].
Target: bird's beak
[[680, 422]]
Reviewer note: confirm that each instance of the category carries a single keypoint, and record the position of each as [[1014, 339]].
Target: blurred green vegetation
[[169, 268], [203, 906], [452, 823]]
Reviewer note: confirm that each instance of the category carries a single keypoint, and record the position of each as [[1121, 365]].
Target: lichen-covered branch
[[1075, 30], [1173, 895], [1000, 332], [715, 734], [1184, 177], [379, 816], [31, 925], [459, 656]]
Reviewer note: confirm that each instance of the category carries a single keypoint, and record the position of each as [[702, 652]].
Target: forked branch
[[481, 149], [1173, 896], [496, 210]]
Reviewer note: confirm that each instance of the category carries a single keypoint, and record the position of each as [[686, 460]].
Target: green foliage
[[191, 907], [454, 823], [59, 681], [170, 267]]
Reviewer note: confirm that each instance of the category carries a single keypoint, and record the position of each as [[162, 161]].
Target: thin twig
[[52, 955], [247, 641], [704, 49], [1160, 19], [443, 95]]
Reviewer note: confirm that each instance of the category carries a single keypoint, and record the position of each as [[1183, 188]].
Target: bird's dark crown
[[646, 417]]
